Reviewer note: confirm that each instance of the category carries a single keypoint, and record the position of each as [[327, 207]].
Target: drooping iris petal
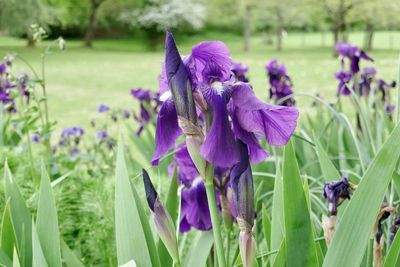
[[219, 146], [194, 208], [256, 152], [167, 130], [179, 81], [209, 62], [141, 94], [277, 123]]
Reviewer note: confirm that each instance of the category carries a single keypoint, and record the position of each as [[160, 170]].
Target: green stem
[[216, 226]]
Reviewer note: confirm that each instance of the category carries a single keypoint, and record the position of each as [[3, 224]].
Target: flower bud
[[336, 192], [162, 219]]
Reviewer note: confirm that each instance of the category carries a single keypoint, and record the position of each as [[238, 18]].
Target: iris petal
[[167, 130], [277, 123]]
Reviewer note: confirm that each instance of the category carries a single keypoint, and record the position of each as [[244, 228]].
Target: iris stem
[[212, 204]]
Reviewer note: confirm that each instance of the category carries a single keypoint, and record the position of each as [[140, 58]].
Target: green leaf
[[16, 262], [277, 223], [280, 260], [133, 235], [394, 251], [329, 170], [38, 256], [299, 238], [200, 249], [266, 227], [47, 222], [20, 217], [352, 234], [7, 240], [70, 259], [4, 259]]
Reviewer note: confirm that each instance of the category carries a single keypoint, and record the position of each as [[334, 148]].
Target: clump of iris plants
[[222, 121], [280, 83]]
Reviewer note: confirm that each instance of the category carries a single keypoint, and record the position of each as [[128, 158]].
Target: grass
[[79, 79]]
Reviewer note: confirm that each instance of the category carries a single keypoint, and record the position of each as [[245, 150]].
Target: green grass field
[[79, 79]]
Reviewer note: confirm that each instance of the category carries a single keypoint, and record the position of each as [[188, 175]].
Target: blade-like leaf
[[4, 259], [300, 245], [351, 237], [15, 259], [394, 251], [277, 222], [266, 227], [132, 242], [7, 242], [47, 222], [280, 260], [20, 217], [200, 249], [70, 259], [329, 170], [38, 256]]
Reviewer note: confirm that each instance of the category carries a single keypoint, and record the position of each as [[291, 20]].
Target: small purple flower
[[353, 53], [35, 138], [280, 82], [141, 94], [126, 114], [3, 68], [102, 135], [344, 77], [240, 71], [103, 108], [74, 151], [336, 192], [72, 131]]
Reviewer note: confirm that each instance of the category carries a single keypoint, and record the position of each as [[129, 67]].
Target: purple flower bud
[[126, 114], [336, 192], [103, 108], [162, 219], [179, 81], [3, 68]]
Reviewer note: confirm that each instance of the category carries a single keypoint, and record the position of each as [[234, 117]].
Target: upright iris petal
[[209, 62], [167, 130], [277, 123]]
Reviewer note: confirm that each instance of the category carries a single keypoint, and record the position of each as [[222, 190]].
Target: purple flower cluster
[[5, 86], [149, 103], [280, 83], [353, 53], [226, 110], [70, 139]]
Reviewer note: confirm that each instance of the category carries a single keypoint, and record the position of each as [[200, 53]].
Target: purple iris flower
[[72, 131], [336, 192], [353, 53], [344, 77], [240, 71], [280, 82], [3, 68], [204, 78], [148, 103], [103, 108]]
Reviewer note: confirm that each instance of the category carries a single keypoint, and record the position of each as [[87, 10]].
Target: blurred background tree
[[16, 17], [148, 19]]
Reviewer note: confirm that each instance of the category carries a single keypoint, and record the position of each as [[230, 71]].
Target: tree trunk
[[336, 33], [369, 36], [279, 30], [247, 28], [94, 4], [30, 42]]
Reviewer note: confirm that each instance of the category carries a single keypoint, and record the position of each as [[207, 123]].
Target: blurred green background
[[116, 45]]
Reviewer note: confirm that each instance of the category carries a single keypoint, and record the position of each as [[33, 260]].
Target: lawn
[[79, 79]]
